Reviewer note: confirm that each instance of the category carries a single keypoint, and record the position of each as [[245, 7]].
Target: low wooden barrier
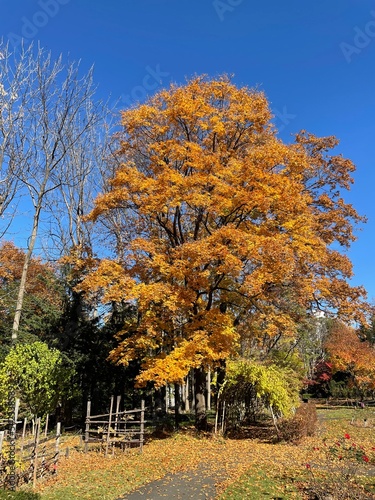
[[116, 428], [36, 455]]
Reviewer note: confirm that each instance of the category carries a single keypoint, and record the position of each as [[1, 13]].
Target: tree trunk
[[191, 390], [177, 403], [219, 380], [209, 389], [200, 399], [22, 288], [185, 394]]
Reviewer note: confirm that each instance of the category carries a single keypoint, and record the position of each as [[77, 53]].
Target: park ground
[[338, 462]]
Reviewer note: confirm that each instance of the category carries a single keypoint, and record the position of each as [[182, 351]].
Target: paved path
[[198, 484]]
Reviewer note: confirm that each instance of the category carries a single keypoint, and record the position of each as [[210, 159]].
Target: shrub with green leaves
[[41, 377]]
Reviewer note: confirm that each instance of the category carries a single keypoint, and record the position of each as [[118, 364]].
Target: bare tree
[[16, 77], [81, 174], [54, 110]]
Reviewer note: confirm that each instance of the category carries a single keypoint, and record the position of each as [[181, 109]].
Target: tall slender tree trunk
[[220, 376], [185, 394], [200, 399], [208, 389], [177, 404], [26, 264]]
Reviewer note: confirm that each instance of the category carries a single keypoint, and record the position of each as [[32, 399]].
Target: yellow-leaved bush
[[249, 380]]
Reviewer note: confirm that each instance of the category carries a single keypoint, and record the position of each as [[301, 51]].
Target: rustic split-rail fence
[[37, 452], [38, 449], [117, 428]]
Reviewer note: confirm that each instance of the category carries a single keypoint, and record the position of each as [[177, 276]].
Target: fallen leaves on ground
[[91, 475]]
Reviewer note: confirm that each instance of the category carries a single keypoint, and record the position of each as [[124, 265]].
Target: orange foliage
[[222, 231], [348, 353], [39, 276]]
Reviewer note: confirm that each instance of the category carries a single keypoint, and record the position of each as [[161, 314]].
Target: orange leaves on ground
[[92, 476]]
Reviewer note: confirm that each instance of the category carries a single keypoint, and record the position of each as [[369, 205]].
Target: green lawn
[[259, 485]]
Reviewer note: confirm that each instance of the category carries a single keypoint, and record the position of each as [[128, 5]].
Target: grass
[[343, 479], [18, 495], [345, 412], [260, 484]]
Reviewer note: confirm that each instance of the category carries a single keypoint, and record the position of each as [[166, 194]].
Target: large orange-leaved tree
[[222, 233]]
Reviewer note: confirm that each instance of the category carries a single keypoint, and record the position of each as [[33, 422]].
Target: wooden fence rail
[[36, 456], [122, 428]]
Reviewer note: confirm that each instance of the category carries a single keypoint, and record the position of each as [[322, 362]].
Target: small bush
[[346, 460], [302, 424]]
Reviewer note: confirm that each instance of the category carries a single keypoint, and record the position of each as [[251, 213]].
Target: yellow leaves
[[225, 217], [244, 462], [111, 278], [201, 347], [222, 252], [161, 294], [213, 333], [145, 114], [205, 340]]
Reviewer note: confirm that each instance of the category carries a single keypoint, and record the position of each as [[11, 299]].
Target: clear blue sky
[[314, 60]]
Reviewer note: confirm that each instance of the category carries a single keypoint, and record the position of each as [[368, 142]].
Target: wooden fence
[[116, 428], [37, 453]]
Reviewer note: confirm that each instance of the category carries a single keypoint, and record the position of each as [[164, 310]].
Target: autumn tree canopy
[[223, 235], [348, 353]]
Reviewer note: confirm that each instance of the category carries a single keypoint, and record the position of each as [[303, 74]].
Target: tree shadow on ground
[[262, 431]]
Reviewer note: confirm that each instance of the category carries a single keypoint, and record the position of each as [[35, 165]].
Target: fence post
[[142, 429], [35, 460], [87, 429], [109, 426], [16, 409], [23, 433], [57, 445], [43, 460], [46, 429], [1, 440], [117, 411]]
